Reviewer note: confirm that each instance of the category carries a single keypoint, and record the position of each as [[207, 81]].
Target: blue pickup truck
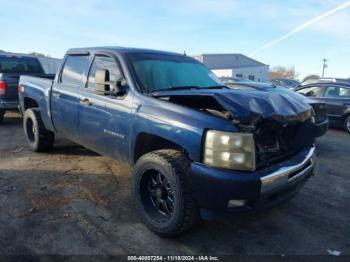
[[11, 68], [193, 143]]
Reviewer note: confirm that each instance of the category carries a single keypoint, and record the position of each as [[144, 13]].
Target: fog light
[[236, 203]]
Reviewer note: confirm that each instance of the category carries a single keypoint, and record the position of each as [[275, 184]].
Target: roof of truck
[[116, 49]]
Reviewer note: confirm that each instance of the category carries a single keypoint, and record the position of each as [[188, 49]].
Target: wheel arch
[[146, 143], [29, 103]]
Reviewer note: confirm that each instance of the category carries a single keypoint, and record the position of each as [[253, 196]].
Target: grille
[[277, 142]]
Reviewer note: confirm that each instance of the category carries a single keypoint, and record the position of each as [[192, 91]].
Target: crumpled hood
[[250, 106]]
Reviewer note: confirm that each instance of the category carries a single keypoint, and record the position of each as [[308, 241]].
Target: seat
[[333, 92]]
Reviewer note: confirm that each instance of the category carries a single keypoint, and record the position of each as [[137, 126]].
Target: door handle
[[85, 101]]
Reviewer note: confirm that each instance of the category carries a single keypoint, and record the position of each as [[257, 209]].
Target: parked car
[[193, 143], [11, 67], [320, 116], [288, 83], [336, 97], [314, 80]]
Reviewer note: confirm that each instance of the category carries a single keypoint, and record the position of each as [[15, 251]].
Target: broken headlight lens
[[229, 150]]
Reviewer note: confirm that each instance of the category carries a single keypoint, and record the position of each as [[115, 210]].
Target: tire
[[347, 124], [38, 137], [2, 114], [176, 211]]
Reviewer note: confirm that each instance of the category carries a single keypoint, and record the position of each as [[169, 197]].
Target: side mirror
[[102, 82], [103, 85]]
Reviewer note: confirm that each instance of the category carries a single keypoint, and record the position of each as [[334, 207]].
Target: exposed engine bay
[[281, 127]]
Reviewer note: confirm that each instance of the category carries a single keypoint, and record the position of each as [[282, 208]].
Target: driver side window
[[103, 62], [313, 91]]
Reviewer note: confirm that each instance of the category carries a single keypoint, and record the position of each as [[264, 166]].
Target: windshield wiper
[[217, 87], [173, 88]]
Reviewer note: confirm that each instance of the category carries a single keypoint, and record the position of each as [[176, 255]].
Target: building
[[235, 65]]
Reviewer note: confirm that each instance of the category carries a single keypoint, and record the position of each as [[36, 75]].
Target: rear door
[[337, 100], [104, 120], [65, 97]]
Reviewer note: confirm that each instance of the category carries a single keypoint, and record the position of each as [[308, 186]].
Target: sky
[[196, 26]]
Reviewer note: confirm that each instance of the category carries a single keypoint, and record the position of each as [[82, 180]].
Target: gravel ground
[[73, 201]]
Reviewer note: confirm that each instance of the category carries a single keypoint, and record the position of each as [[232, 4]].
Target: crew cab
[[11, 67], [193, 143]]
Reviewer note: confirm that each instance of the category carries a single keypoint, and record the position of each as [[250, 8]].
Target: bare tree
[[283, 72], [38, 54], [308, 77]]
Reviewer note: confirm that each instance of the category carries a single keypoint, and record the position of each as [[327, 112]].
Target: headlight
[[229, 150]]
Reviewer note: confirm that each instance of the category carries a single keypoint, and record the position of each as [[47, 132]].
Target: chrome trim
[[280, 177], [9, 105]]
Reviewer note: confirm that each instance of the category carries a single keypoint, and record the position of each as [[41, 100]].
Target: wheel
[[347, 124], [163, 192], [38, 137], [2, 114]]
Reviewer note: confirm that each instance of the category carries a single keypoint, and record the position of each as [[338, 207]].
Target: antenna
[[324, 66]]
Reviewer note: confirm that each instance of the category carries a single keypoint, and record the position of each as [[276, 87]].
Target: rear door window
[[337, 91], [313, 91], [75, 70]]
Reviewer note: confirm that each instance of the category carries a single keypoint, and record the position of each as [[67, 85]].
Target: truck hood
[[245, 106]]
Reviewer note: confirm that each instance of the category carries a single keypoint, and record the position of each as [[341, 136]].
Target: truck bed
[[40, 82], [9, 100], [37, 89]]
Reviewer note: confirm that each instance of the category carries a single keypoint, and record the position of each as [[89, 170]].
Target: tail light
[[20, 88], [2, 87]]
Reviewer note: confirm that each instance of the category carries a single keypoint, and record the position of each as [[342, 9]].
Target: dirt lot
[[73, 201]]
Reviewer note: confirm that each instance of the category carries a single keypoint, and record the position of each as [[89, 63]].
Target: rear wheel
[[38, 137], [163, 192], [2, 114], [347, 124]]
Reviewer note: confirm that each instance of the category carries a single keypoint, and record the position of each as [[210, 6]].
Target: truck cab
[[193, 143]]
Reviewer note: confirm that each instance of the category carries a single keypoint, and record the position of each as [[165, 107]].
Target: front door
[[336, 100], [104, 121]]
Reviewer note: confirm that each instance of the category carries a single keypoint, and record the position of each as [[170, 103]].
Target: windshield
[[158, 72], [17, 65]]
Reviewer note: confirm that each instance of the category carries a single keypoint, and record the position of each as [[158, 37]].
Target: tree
[[311, 77], [38, 54], [283, 72]]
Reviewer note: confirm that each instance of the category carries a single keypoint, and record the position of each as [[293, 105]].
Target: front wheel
[[347, 124], [2, 114], [163, 192], [38, 137]]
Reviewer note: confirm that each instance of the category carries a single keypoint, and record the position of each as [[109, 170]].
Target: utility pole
[[324, 66]]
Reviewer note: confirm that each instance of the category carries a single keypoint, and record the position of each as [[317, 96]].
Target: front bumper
[[9, 104], [214, 187]]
